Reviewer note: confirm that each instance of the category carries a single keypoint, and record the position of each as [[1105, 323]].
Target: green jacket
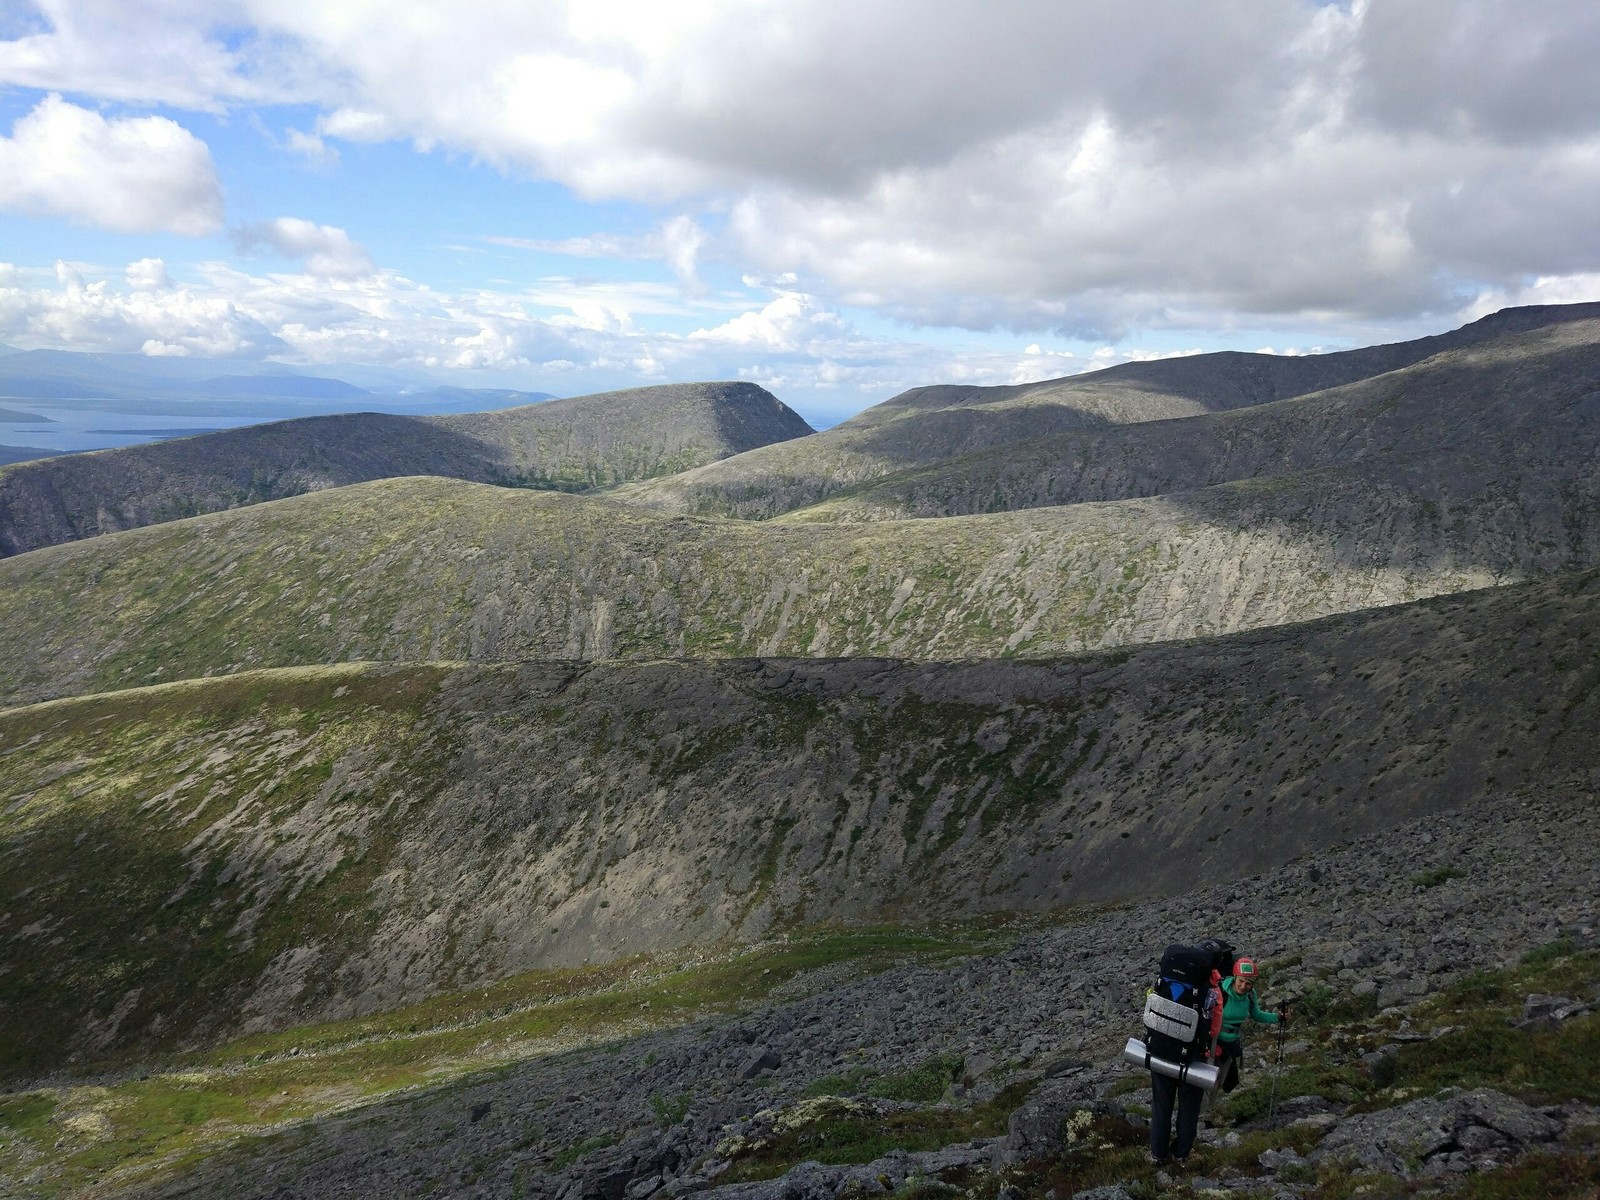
[[1236, 1010]]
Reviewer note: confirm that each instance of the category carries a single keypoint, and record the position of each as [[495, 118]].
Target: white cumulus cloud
[[129, 174], [1026, 164], [147, 275], [328, 252]]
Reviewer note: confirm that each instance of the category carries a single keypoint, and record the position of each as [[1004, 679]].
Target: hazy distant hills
[[927, 428], [565, 444], [67, 374], [79, 375], [272, 848]]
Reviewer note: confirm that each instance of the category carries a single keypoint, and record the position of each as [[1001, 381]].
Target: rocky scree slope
[[195, 860], [1524, 406], [425, 569], [929, 426], [565, 444], [1050, 1014]]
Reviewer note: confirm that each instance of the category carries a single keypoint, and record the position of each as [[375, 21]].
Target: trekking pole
[[1277, 1070]]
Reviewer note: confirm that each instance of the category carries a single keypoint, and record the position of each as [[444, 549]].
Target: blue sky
[[837, 201]]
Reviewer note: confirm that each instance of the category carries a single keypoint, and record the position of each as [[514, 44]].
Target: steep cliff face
[[244, 853], [562, 444]]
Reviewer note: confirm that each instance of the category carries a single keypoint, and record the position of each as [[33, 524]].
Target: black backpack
[[1223, 955], [1175, 1006]]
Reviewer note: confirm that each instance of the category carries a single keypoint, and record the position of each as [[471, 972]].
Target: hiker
[[1184, 1015], [1239, 1004]]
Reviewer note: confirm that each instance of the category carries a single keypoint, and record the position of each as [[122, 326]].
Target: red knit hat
[[1246, 967]]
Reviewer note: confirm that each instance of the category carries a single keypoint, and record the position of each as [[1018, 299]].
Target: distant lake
[[70, 425], [156, 433], [89, 424]]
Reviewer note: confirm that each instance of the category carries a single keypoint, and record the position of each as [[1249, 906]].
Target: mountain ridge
[[571, 444], [430, 568], [1502, 403], [319, 842], [930, 426]]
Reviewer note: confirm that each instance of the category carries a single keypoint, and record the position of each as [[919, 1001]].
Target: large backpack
[[1223, 955], [1174, 1009]]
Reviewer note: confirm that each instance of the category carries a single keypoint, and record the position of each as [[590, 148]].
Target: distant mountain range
[[76, 375], [1476, 466], [931, 427]]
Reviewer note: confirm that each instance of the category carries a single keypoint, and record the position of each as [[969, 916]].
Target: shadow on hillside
[[951, 432], [74, 496], [953, 416], [1488, 465]]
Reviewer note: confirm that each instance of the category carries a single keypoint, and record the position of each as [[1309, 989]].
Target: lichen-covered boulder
[[1451, 1132]]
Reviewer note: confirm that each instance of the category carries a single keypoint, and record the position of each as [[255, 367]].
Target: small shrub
[[1315, 1003], [1553, 1065], [669, 1112], [1548, 953], [573, 1153], [925, 1082], [1536, 1177], [1434, 876], [848, 1084]]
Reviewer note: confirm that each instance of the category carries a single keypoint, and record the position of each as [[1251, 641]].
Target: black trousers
[[1230, 1060], [1163, 1091]]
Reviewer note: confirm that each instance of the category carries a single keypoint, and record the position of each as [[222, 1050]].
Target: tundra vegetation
[[644, 794]]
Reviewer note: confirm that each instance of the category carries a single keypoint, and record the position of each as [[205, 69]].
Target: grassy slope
[[423, 569], [77, 1133], [907, 440], [563, 444], [244, 852]]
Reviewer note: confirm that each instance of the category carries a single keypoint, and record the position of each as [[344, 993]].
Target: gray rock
[[1037, 1127], [1276, 1160], [762, 1059], [977, 1066], [1375, 1060], [1424, 1135], [1547, 1012]]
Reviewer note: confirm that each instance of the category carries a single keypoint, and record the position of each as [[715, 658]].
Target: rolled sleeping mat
[[1200, 1075]]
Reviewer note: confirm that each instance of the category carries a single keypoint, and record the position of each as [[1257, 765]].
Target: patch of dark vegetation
[[925, 1082], [573, 1153], [834, 1130]]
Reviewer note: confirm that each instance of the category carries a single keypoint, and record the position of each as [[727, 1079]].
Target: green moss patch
[[836, 1130]]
